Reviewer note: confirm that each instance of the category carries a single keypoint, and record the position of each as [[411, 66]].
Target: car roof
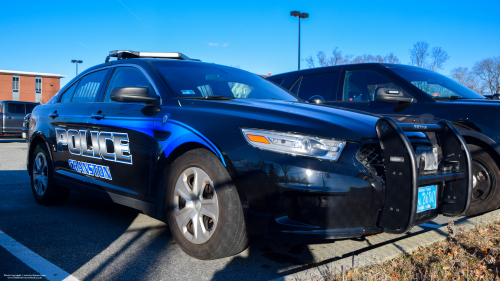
[[335, 67]]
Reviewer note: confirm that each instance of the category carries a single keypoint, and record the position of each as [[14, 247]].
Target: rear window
[[30, 107], [89, 87], [16, 108]]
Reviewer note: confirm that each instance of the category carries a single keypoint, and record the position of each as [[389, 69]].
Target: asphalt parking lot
[[93, 239]]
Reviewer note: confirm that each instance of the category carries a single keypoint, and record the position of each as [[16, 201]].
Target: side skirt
[[147, 208]]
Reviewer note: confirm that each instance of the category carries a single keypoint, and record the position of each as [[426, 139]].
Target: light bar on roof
[[135, 54]]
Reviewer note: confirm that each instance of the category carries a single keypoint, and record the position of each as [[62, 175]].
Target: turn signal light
[[255, 138]]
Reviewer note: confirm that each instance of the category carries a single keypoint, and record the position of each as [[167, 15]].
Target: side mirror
[[316, 99], [132, 94], [391, 95]]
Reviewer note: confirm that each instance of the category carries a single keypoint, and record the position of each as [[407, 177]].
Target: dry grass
[[471, 255]]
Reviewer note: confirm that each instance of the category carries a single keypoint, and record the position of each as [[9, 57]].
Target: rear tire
[[486, 181], [202, 206], [43, 186]]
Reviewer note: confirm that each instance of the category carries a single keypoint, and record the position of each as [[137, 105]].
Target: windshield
[[200, 80], [436, 85]]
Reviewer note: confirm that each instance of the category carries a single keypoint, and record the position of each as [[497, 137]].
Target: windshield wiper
[[209, 98], [448, 98]]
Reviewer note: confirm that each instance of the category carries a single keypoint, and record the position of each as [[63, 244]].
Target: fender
[[38, 135], [473, 134]]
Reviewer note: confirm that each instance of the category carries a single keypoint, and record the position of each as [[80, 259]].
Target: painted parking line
[[430, 225], [33, 260]]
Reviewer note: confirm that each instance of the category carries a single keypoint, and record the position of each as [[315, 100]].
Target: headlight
[[294, 144]]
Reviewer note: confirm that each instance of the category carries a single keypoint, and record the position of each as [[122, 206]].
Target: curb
[[390, 251]]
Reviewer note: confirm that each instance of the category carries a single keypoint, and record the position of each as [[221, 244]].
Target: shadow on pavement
[[94, 239]]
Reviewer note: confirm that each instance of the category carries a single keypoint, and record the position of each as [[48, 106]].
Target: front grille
[[371, 156]]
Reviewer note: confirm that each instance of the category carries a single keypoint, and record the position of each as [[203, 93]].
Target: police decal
[[94, 144], [90, 169]]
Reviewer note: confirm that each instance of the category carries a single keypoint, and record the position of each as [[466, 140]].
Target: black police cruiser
[[219, 153], [413, 95]]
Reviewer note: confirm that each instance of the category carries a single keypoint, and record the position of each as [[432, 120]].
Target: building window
[[38, 85], [15, 84]]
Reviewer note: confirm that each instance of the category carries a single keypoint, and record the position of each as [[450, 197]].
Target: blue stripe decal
[[182, 133]]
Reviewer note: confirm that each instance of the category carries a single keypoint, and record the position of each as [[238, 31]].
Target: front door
[[124, 131], [358, 92]]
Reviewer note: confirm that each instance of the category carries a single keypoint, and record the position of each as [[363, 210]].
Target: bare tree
[[488, 71], [391, 58], [420, 55], [438, 58], [323, 59], [467, 78], [310, 62], [339, 58]]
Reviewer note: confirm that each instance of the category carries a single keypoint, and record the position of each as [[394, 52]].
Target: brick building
[[28, 86]]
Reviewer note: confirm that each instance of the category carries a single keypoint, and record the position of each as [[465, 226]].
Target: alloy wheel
[[40, 174], [481, 181], [196, 207]]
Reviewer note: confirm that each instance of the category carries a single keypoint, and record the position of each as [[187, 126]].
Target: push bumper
[[403, 179]]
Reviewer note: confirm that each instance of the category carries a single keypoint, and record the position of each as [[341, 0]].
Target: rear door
[[14, 117], [69, 117], [125, 134], [357, 91]]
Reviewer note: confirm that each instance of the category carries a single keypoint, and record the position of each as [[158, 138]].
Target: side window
[[66, 96], [30, 107], [89, 87], [361, 85], [317, 84], [277, 81], [127, 77], [16, 108], [296, 86]]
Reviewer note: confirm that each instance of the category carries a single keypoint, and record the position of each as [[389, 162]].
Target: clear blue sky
[[259, 36]]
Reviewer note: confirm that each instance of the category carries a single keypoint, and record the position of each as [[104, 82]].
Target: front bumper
[[298, 196]]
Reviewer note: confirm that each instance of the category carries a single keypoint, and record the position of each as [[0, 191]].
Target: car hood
[[481, 103], [298, 117]]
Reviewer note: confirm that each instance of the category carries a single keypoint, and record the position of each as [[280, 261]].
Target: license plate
[[426, 198], [24, 135]]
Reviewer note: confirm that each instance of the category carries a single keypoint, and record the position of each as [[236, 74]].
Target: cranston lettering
[[94, 144], [90, 169]]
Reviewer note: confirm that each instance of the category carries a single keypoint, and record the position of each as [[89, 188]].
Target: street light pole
[[300, 16], [77, 62]]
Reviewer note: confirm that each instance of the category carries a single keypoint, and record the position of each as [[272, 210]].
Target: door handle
[[54, 114], [97, 116], [9, 117]]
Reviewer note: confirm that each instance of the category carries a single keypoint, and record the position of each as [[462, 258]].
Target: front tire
[[44, 189], [203, 208], [486, 181]]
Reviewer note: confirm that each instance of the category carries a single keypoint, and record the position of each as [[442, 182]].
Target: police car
[[219, 153]]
